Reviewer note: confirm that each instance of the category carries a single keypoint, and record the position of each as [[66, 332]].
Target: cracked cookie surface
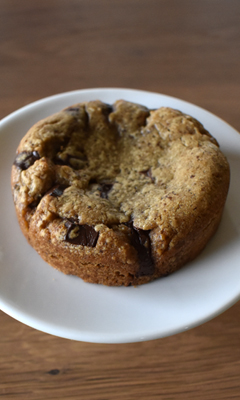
[[120, 194]]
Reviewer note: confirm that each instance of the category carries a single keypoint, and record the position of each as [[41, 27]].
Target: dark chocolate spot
[[140, 240], [104, 189], [25, 159], [73, 111], [84, 235], [79, 114], [57, 191]]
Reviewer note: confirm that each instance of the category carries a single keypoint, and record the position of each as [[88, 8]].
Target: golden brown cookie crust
[[119, 195]]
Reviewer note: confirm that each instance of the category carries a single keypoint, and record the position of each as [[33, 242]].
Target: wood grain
[[186, 49]]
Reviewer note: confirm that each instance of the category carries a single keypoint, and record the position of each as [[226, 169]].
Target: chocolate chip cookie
[[119, 195]]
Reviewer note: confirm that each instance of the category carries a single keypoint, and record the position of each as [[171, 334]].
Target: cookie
[[119, 195]]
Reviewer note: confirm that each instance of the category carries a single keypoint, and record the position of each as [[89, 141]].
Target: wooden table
[[188, 49]]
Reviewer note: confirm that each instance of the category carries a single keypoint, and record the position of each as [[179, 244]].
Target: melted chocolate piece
[[72, 110], [104, 188], [84, 235], [57, 191], [140, 240], [25, 159], [78, 113]]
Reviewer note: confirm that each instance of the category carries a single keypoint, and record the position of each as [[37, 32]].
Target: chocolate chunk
[[72, 109], [140, 240], [25, 159], [104, 188], [57, 190], [84, 235], [79, 114]]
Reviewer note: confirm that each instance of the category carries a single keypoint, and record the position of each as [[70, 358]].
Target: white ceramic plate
[[37, 295]]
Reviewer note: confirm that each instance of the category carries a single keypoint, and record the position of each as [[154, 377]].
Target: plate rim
[[88, 337]]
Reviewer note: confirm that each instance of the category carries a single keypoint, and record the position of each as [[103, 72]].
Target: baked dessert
[[119, 195]]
